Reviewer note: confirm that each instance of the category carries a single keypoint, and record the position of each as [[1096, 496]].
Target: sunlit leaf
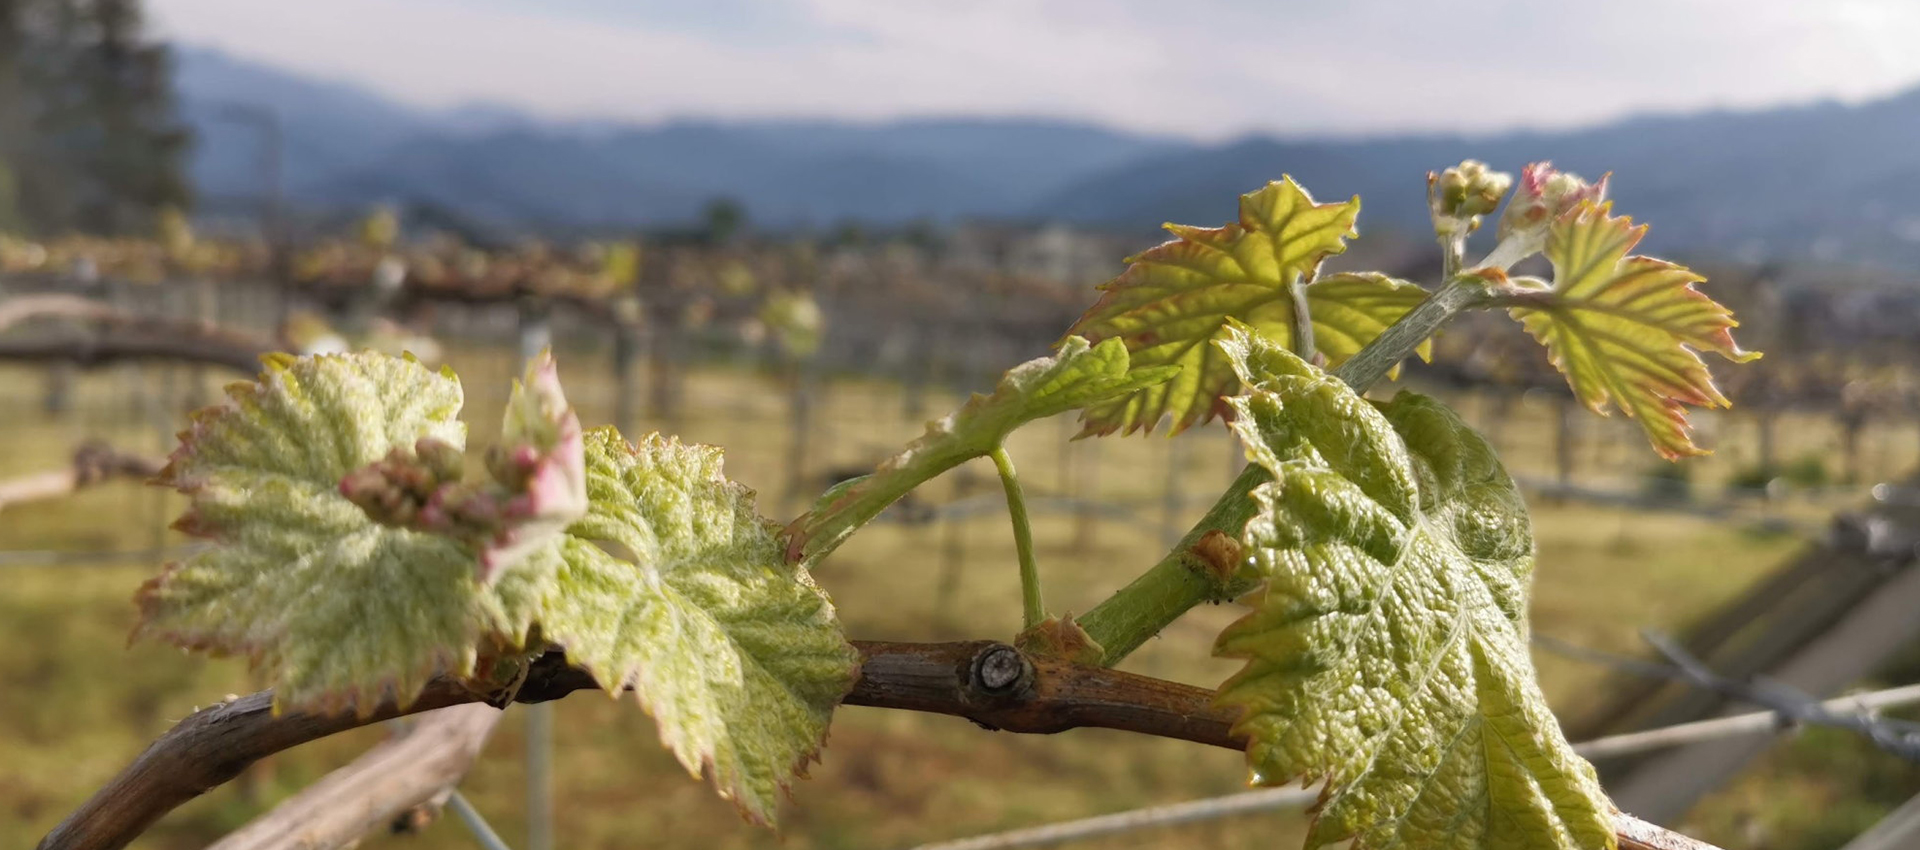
[[1077, 375], [338, 609], [1350, 310], [1175, 299], [674, 586], [1624, 330], [354, 561], [1387, 649]]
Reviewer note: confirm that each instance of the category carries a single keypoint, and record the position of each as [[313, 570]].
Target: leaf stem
[[1453, 247], [1303, 344], [1032, 608], [1398, 341], [1178, 582], [1183, 578]]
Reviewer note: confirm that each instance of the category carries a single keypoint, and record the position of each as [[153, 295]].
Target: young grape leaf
[[1174, 299], [1387, 649], [674, 586], [342, 611], [1624, 329], [1077, 375], [1349, 310], [537, 468]]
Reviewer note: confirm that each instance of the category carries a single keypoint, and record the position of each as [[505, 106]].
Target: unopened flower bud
[[433, 518], [519, 507], [446, 462], [1546, 194], [510, 466], [369, 488], [471, 506], [1458, 196], [408, 474], [405, 488], [401, 512]]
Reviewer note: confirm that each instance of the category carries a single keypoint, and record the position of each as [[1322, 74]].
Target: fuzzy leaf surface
[[1625, 330], [1174, 300], [674, 586], [1077, 375], [340, 611], [1387, 649]]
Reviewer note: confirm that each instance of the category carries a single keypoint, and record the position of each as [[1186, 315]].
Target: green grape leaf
[[1349, 310], [340, 610], [1387, 649], [1077, 375], [1624, 330], [674, 586], [1175, 298]]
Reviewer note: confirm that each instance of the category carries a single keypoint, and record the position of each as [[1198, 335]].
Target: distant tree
[[13, 109], [846, 234], [923, 234], [722, 220], [87, 126], [432, 215]]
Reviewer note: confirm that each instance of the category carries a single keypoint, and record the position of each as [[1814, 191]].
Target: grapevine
[[1381, 550]]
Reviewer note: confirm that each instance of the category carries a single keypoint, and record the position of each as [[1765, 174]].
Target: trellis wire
[[1790, 704], [1629, 743], [1785, 705], [1897, 831], [1173, 814], [476, 824], [1275, 799]]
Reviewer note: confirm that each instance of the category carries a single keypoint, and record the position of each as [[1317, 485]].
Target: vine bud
[[394, 489], [1546, 194], [473, 507], [512, 466], [446, 462], [1459, 196], [375, 491]]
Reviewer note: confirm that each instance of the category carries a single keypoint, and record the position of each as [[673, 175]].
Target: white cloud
[[1209, 69]]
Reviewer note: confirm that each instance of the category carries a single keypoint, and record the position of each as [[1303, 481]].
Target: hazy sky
[[1203, 68]]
